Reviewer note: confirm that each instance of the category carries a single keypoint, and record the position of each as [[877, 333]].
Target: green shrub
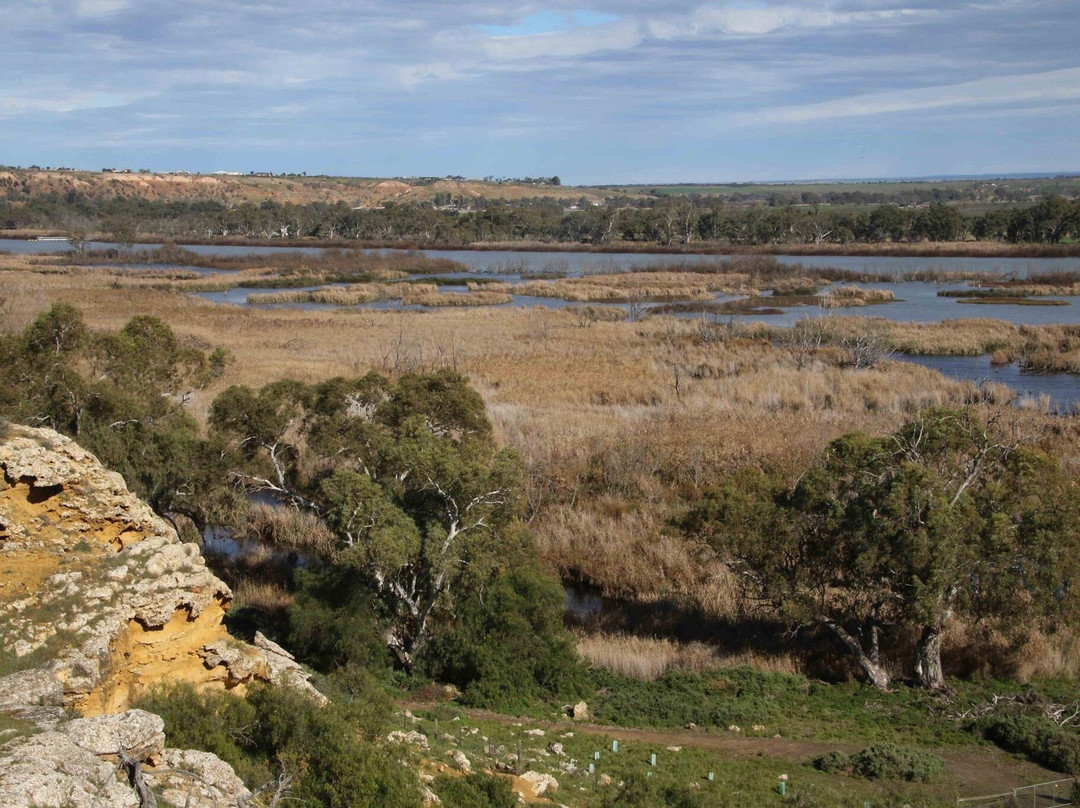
[[333, 750], [508, 648], [884, 761], [1040, 739], [475, 791], [834, 763], [891, 762], [213, 722]]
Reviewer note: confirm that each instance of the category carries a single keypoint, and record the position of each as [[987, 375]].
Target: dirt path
[[977, 770]]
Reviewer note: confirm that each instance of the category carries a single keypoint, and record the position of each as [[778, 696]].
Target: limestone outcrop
[[99, 601], [81, 764], [103, 592]]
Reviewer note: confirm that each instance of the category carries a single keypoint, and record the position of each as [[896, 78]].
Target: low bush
[[834, 763], [332, 750], [475, 791], [1039, 739], [885, 761]]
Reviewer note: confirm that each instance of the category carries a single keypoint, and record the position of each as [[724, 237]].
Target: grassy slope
[[784, 722]]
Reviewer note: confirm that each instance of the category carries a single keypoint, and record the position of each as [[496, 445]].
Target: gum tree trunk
[[878, 676], [928, 659]]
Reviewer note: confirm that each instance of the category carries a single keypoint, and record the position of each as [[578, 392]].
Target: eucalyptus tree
[[950, 518], [405, 473]]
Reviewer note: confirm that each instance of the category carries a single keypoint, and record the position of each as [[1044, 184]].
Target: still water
[[577, 263], [1056, 392]]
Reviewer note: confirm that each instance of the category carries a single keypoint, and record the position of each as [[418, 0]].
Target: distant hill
[[234, 189]]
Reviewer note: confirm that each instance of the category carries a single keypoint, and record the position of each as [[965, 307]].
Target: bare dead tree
[[866, 350], [806, 338], [637, 310], [277, 789], [133, 768]]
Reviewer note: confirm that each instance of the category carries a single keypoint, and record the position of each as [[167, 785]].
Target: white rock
[[217, 785], [49, 771], [461, 761], [136, 732], [540, 782], [412, 738], [30, 688]]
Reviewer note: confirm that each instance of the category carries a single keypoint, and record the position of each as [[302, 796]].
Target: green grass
[[792, 706], [751, 781], [807, 715]]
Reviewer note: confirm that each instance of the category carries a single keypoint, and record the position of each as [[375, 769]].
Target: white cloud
[[100, 8], [1048, 87], [410, 76], [60, 101], [713, 19], [618, 36]]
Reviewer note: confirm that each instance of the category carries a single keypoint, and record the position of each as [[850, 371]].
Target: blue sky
[[602, 91]]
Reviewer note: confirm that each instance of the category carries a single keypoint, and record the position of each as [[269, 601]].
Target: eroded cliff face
[[99, 601], [100, 591]]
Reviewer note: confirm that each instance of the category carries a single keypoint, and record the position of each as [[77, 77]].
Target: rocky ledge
[[99, 601]]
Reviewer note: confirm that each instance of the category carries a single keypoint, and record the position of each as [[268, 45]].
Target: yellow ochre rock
[[101, 591]]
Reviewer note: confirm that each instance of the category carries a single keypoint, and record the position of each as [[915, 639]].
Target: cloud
[[1029, 88], [13, 104], [100, 8]]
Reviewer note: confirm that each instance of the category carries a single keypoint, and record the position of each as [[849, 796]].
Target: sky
[[594, 91]]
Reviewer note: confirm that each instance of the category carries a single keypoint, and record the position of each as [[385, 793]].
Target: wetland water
[[916, 302], [578, 262]]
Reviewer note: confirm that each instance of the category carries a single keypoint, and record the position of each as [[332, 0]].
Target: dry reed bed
[[350, 295], [640, 286], [650, 658], [856, 296], [437, 299], [496, 286], [1037, 348], [410, 294]]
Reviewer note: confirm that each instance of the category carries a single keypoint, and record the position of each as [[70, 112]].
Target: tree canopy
[[950, 517], [121, 396], [423, 506]]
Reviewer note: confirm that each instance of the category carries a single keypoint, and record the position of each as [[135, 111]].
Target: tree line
[[455, 222]]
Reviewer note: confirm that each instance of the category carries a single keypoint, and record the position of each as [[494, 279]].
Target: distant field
[[1068, 185]]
